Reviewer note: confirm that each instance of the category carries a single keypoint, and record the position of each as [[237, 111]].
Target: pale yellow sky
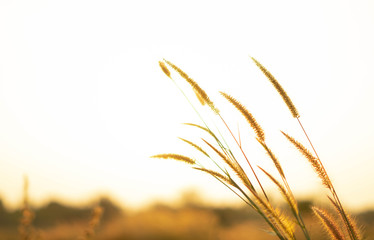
[[83, 103]]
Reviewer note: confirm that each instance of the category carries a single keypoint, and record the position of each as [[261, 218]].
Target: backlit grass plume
[[175, 157], [350, 224], [248, 116], [312, 159], [279, 88], [289, 198], [195, 146], [164, 69], [329, 224], [216, 175], [223, 150], [234, 166], [201, 95]]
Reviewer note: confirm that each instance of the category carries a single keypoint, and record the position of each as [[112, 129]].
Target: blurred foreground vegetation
[[192, 221]]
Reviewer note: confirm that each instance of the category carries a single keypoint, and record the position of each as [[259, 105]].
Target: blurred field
[[188, 222]]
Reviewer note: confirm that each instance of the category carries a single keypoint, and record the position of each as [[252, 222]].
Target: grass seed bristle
[[164, 69], [248, 116], [234, 166], [195, 146], [291, 200], [329, 224], [217, 175], [355, 231], [175, 157], [313, 161], [223, 156], [203, 128], [273, 158], [279, 88], [282, 223], [201, 95]]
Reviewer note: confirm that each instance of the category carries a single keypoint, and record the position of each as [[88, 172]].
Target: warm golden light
[[84, 103]]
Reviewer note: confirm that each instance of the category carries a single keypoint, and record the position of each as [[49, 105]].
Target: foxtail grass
[[175, 157], [230, 171], [248, 116], [287, 100], [329, 224]]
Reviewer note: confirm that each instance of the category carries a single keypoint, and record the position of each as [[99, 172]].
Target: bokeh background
[[83, 103]]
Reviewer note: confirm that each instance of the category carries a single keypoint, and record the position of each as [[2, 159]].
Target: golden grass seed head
[[177, 69], [203, 128], [201, 95], [289, 198], [350, 223], [201, 100], [195, 146], [223, 156], [279, 89], [355, 229], [316, 164], [175, 157], [281, 222], [235, 166], [164, 69], [273, 158], [328, 224], [217, 175], [248, 116]]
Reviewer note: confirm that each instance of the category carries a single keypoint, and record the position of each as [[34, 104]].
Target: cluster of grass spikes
[[246, 185]]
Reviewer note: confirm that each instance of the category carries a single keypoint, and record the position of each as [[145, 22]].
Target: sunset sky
[[83, 102]]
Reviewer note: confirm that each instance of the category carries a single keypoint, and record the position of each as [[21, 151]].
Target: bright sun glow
[[83, 103]]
